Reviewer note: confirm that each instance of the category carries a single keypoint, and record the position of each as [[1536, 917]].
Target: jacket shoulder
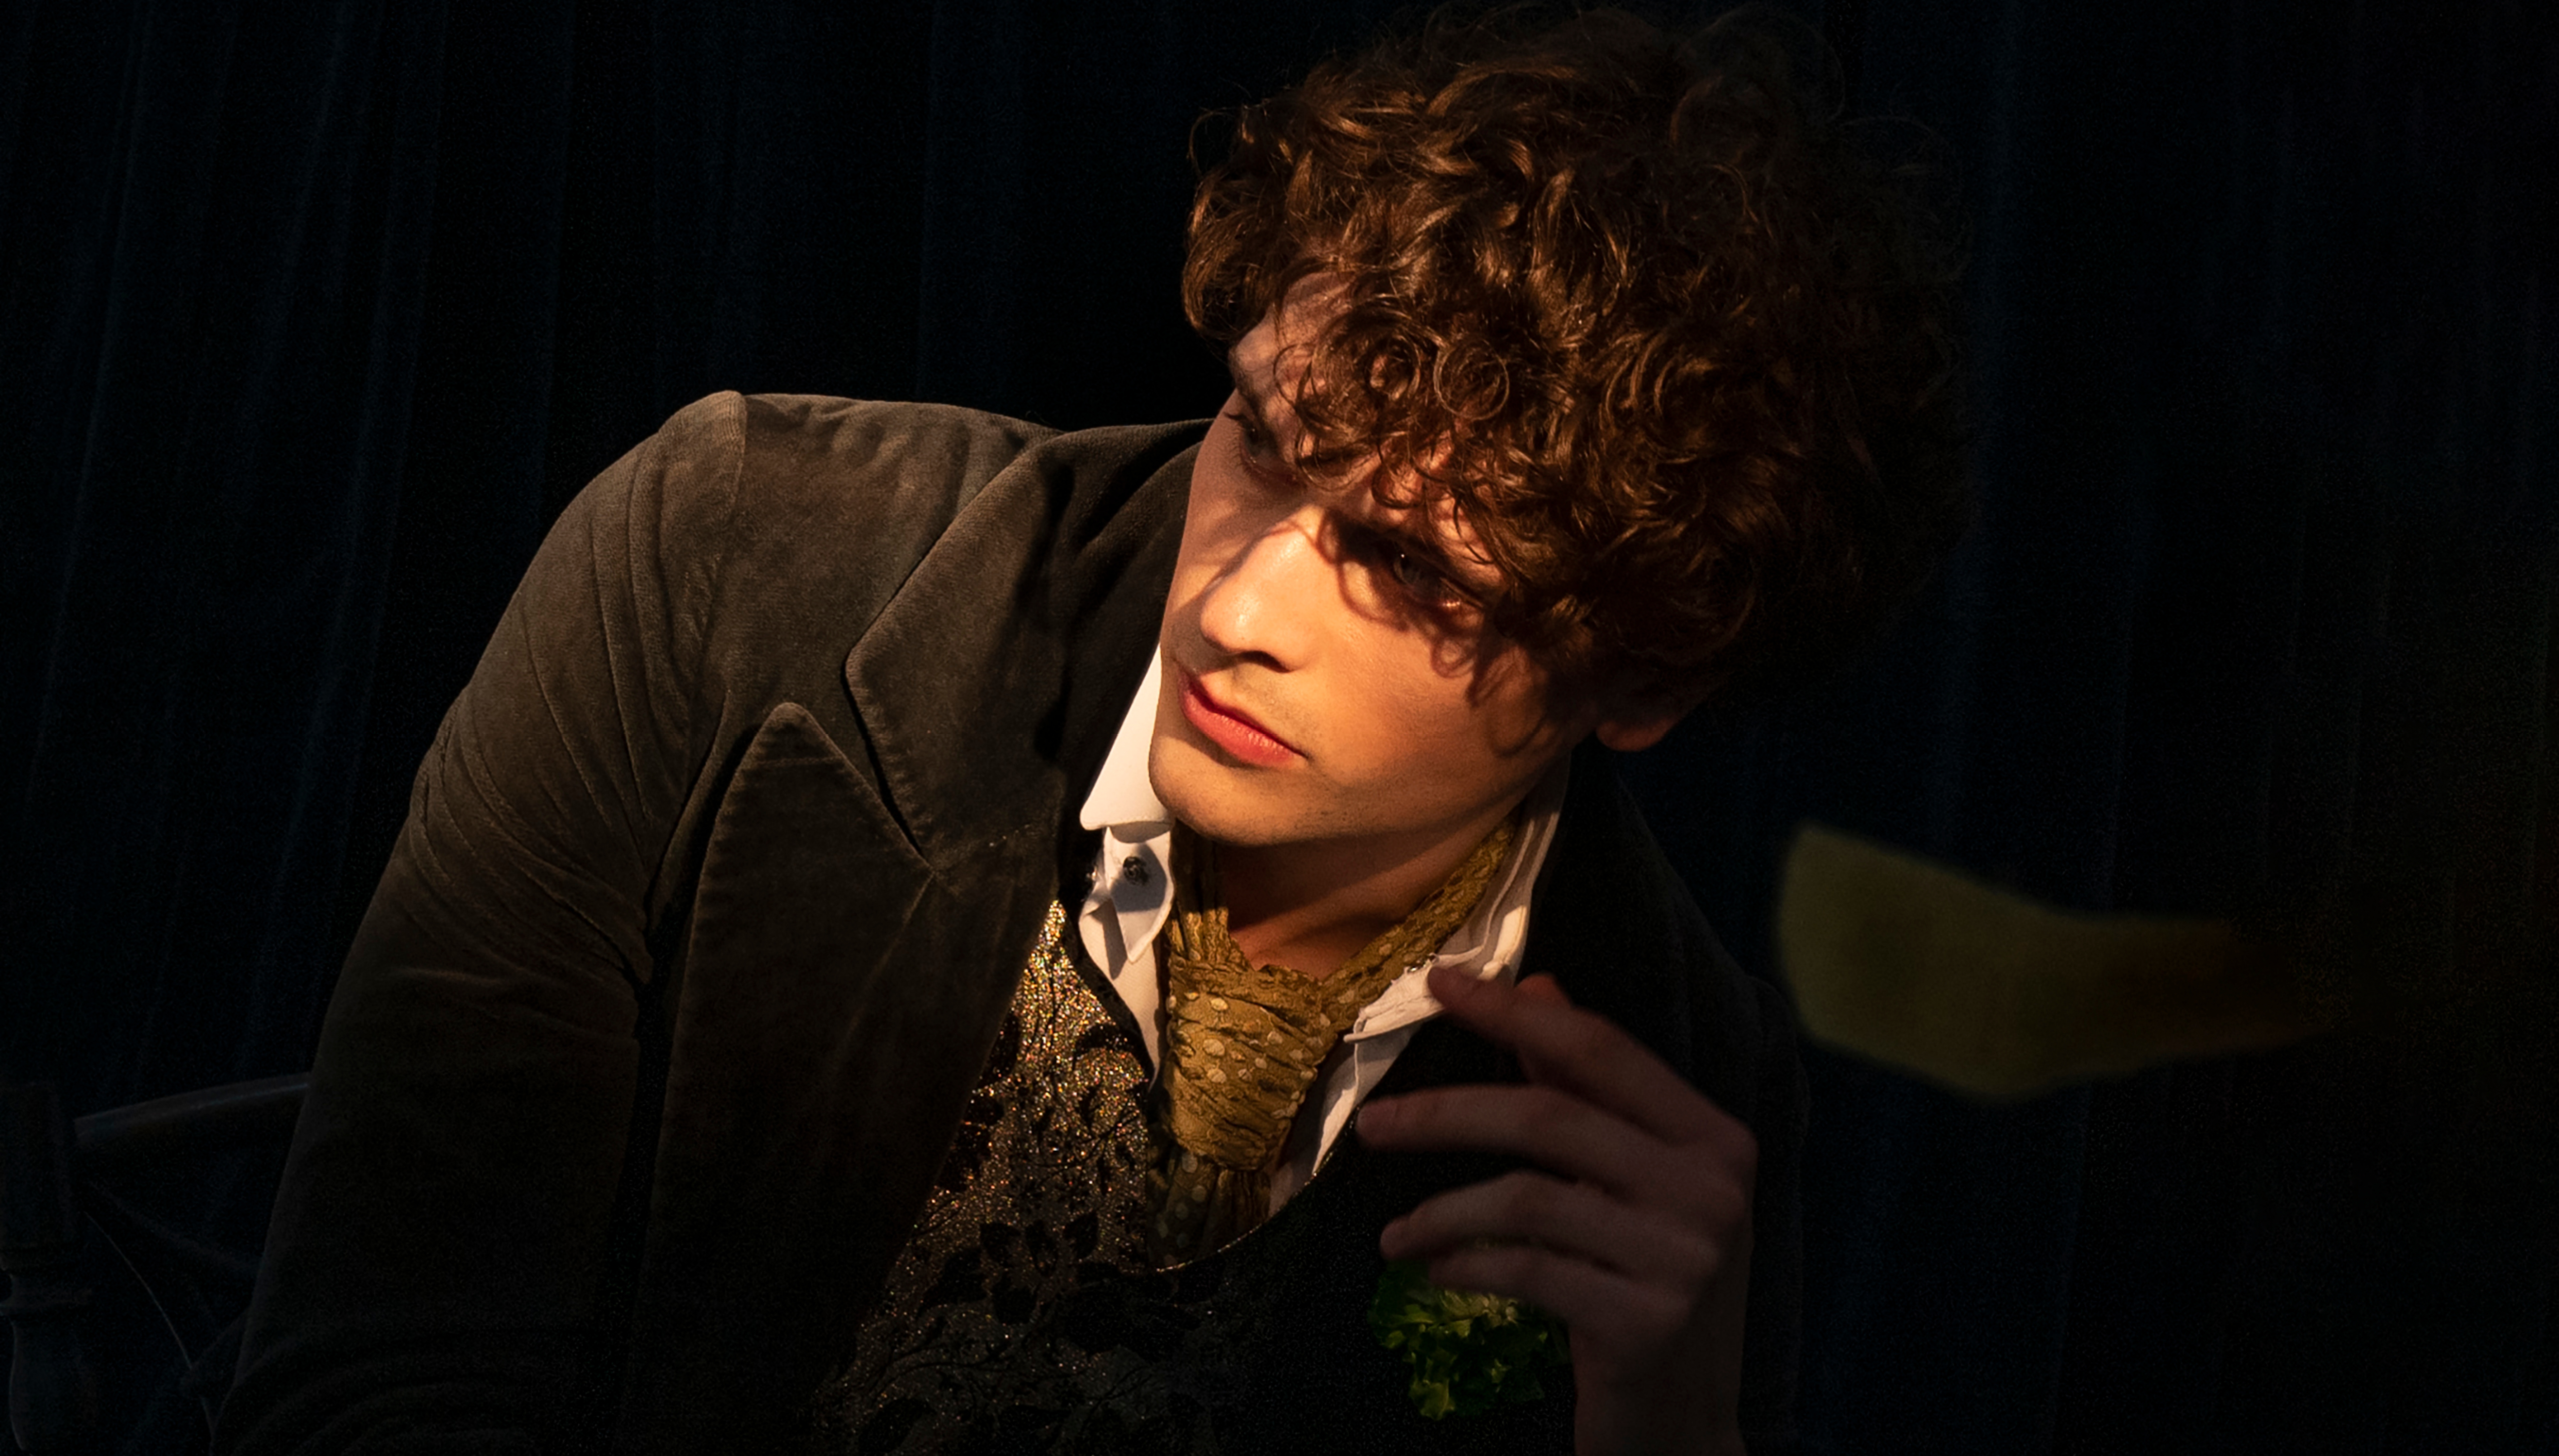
[[779, 472], [781, 523]]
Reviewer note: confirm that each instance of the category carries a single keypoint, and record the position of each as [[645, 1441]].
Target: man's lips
[[1230, 729]]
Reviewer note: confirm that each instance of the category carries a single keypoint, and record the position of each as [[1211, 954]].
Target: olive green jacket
[[712, 894]]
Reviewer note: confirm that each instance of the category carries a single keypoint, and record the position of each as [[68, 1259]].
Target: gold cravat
[[1242, 1044]]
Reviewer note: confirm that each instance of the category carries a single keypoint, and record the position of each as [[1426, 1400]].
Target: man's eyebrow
[[1401, 532], [1256, 399]]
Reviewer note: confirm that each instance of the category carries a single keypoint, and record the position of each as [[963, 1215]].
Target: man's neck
[[1313, 905]]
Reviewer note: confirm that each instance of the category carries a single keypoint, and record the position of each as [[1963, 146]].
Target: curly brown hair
[[1677, 352]]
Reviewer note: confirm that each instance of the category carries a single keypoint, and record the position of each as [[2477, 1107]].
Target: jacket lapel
[[782, 1047], [852, 947], [1617, 929], [994, 681]]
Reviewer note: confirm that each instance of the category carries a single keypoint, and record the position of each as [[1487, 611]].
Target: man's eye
[[1413, 572], [1259, 446], [1424, 582], [1417, 576]]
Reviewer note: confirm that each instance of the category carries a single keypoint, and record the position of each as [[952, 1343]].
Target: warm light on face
[[1328, 675]]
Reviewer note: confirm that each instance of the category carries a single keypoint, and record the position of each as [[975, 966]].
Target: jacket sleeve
[[433, 1263]]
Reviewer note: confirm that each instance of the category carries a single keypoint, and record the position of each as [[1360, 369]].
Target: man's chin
[[1229, 803]]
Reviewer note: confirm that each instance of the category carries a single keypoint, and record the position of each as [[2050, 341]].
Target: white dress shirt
[[1132, 897]]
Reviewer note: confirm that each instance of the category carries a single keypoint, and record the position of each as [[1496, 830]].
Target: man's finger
[[1545, 989], [1550, 1127], [1575, 1219], [1584, 1054]]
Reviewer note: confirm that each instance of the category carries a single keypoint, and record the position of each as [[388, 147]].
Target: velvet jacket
[[712, 894]]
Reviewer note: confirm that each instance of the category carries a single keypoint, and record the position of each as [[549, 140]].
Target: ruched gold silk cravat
[[1241, 1045]]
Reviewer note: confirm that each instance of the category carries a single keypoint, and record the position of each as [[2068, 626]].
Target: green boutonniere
[[1468, 1352]]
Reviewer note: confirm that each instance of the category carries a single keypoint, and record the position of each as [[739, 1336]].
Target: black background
[[312, 316]]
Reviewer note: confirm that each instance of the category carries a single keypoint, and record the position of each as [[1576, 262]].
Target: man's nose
[[1262, 604]]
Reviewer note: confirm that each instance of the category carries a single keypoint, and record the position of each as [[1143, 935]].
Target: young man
[[886, 952]]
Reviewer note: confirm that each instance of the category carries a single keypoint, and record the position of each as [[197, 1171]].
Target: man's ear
[[1631, 729]]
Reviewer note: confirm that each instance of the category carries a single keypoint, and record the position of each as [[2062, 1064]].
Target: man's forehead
[[1270, 361], [1251, 382], [1267, 373]]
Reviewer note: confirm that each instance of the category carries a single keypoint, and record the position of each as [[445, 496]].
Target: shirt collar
[[1124, 798], [1132, 873]]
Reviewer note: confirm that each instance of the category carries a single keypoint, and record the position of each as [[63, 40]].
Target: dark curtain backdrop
[[312, 316]]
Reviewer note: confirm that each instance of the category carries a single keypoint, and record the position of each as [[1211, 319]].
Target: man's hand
[[1641, 1241]]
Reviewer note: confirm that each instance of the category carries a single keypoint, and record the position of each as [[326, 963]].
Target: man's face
[[1327, 675]]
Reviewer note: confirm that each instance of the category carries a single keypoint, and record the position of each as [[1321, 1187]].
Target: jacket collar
[[1054, 577]]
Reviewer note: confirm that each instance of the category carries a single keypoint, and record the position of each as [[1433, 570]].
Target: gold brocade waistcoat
[[1024, 1315], [1043, 1193]]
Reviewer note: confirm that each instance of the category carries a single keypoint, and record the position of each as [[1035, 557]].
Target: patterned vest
[[1024, 1314]]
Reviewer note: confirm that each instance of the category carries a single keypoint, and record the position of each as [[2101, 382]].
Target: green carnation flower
[[1468, 1352]]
